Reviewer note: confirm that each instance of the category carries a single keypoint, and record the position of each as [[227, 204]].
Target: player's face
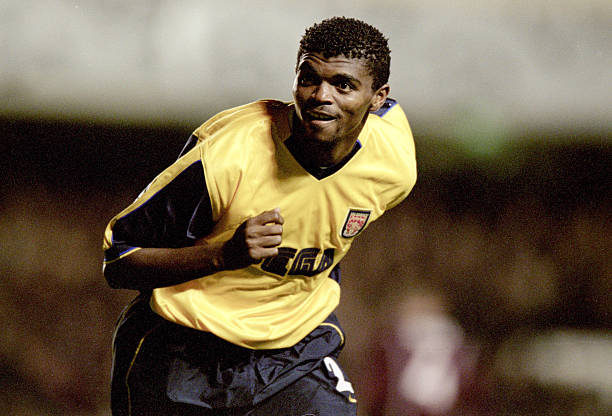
[[333, 96]]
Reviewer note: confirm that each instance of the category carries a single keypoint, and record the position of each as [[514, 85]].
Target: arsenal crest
[[356, 221]]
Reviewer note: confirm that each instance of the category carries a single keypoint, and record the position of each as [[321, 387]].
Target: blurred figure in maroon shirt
[[422, 362]]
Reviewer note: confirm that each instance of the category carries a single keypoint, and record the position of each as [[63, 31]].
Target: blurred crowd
[[459, 303]]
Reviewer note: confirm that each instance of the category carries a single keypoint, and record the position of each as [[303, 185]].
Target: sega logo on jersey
[[296, 262], [355, 222]]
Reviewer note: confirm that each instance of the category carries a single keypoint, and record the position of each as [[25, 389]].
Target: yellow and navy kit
[[237, 165]]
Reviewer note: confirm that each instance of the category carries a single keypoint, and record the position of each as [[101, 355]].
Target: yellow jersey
[[243, 159]]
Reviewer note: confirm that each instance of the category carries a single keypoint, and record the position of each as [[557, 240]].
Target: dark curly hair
[[352, 38]]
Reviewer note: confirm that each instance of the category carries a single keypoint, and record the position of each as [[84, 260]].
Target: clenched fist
[[254, 240]]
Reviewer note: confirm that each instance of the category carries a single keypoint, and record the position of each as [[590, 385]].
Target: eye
[[306, 80], [344, 86]]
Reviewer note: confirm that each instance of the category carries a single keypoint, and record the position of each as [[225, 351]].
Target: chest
[[319, 213]]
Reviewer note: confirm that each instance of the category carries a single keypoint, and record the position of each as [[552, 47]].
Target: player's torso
[[260, 173], [271, 303], [320, 214]]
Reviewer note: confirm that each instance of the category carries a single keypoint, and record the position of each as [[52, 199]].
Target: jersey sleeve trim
[[113, 258], [387, 105]]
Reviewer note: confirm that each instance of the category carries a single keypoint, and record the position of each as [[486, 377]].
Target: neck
[[320, 154]]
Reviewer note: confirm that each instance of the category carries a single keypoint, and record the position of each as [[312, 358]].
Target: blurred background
[[487, 292]]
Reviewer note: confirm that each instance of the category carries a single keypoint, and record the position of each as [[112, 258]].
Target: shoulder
[[239, 140], [391, 121], [389, 138], [237, 134], [244, 117], [389, 128]]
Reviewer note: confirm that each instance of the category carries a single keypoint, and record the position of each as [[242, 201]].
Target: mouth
[[318, 116]]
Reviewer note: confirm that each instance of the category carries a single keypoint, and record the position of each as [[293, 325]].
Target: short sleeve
[[171, 212]]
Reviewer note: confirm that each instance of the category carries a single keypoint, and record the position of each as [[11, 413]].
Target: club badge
[[355, 222]]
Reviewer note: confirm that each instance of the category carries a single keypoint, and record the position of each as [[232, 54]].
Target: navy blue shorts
[[160, 368]]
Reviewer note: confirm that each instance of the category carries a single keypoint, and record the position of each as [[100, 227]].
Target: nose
[[322, 93]]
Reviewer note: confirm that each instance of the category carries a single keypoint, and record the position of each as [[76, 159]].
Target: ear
[[379, 97]]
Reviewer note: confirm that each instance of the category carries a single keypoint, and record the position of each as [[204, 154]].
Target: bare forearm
[[149, 268]]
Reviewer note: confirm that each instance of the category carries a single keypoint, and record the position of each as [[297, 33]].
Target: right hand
[[254, 240]]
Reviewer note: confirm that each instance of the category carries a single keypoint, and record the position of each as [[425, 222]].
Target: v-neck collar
[[316, 171]]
